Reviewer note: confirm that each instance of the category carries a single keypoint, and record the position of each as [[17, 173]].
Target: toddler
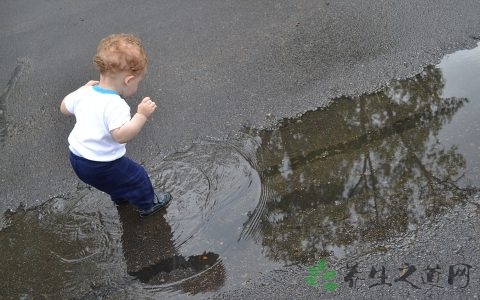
[[104, 125]]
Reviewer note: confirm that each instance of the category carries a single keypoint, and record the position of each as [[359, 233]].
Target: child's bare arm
[[129, 130]]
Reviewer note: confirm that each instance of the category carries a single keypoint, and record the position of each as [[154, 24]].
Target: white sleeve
[[117, 113], [71, 100]]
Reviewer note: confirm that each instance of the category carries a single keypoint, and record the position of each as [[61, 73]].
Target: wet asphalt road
[[215, 67]]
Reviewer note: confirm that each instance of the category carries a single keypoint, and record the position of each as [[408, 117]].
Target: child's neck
[[110, 83]]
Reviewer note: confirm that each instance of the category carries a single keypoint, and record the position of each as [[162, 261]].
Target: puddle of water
[[81, 245], [365, 170], [342, 181], [62, 248]]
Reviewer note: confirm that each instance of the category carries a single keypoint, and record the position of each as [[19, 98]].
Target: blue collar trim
[[104, 91]]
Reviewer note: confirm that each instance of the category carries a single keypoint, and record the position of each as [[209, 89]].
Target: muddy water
[[339, 182]]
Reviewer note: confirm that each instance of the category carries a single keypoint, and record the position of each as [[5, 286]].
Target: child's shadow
[[151, 256]]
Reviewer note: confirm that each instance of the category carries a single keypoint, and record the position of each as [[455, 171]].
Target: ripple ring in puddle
[[213, 185], [81, 246]]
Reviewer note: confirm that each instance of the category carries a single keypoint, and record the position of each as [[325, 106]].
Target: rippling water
[[81, 244], [342, 181]]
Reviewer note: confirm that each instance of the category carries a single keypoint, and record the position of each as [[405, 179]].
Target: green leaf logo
[[313, 271], [311, 281], [330, 286], [316, 276], [321, 265], [329, 275]]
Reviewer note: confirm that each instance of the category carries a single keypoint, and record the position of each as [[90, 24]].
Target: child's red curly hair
[[120, 52]]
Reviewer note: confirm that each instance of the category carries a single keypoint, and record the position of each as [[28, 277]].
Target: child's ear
[[128, 78]]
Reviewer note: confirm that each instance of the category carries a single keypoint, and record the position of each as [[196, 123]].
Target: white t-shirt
[[97, 111]]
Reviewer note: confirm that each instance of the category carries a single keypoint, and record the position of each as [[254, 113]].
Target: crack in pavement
[[17, 73]]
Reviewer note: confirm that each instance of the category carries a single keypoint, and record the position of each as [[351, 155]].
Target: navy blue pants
[[123, 179]]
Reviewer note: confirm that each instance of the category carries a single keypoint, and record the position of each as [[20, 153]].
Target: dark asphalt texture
[[215, 67]]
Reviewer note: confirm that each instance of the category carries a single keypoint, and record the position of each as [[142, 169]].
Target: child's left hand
[[92, 83]]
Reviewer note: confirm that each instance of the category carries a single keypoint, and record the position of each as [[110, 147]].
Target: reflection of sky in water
[[285, 168], [461, 73]]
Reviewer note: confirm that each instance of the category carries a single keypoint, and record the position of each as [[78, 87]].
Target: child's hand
[[146, 107], [92, 83]]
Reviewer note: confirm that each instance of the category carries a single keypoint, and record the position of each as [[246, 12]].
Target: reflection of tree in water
[[360, 171], [74, 247]]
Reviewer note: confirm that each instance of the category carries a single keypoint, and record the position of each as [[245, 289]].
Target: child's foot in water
[[160, 201]]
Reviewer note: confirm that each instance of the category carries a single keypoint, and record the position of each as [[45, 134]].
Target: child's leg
[[132, 183], [121, 179]]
